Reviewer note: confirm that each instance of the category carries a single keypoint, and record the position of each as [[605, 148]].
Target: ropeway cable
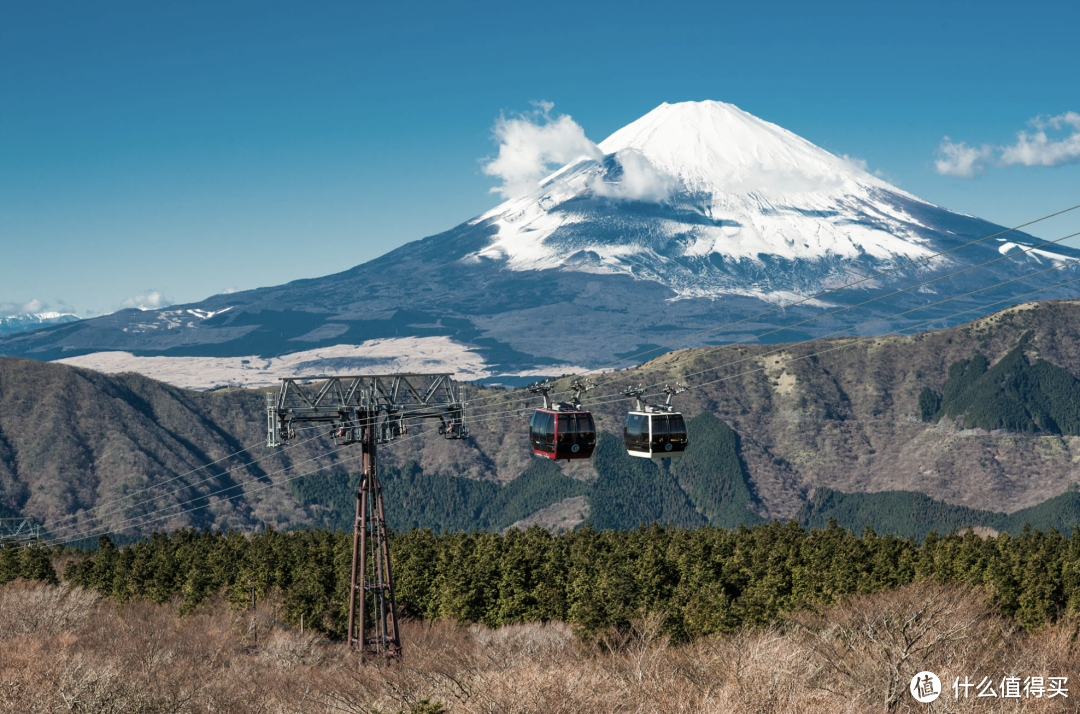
[[505, 418], [802, 300], [169, 493], [162, 483], [830, 292], [149, 500], [741, 374], [1058, 266]]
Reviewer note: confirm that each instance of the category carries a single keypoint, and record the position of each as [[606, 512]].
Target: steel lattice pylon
[[19, 531], [369, 410]]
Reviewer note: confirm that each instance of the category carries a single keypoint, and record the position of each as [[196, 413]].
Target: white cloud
[[639, 180], [861, 165], [17, 308], [228, 291], [532, 145], [960, 160], [1040, 150], [1030, 149], [150, 300]]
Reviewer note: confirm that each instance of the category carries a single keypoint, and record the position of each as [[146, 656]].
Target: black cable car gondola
[[561, 430], [654, 431]]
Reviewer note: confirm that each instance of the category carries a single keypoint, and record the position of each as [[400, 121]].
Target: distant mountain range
[[32, 320], [696, 215]]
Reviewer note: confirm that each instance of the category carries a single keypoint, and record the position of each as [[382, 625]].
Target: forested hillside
[[1030, 396], [915, 515]]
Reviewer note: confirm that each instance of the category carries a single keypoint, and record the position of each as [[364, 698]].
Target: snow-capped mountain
[[716, 188], [30, 320], [696, 215]]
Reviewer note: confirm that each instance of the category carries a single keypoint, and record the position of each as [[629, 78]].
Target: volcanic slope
[[693, 216], [842, 414]]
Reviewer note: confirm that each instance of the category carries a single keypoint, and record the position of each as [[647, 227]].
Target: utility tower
[[19, 531], [369, 410]]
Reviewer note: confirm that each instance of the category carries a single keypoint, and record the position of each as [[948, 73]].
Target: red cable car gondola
[[561, 430]]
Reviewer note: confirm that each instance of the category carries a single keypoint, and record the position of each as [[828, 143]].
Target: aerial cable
[[849, 307], [800, 301], [186, 473], [842, 287], [195, 483], [888, 334], [114, 529], [87, 534], [831, 291], [319, 456], [176, 490], [616, 399], [906, 312], [1059, 266]]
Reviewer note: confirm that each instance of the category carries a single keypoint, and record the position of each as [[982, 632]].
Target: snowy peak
[[709, 200], [29, 320], [712, 147]]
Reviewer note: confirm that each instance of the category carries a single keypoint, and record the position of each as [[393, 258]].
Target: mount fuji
[[696, 215]]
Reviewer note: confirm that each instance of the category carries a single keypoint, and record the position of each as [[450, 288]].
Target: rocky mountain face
[[692, 217], [843, 414]]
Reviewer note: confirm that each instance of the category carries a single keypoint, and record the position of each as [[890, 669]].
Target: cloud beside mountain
[[1037, 148], [149, 300], [534, 144]]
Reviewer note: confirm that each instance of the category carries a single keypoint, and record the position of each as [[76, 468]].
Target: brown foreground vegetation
[[63, 649]]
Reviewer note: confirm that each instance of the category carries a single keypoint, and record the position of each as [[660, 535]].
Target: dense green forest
[[708, 485], [915, 515], [1013, 394], [705, 579]]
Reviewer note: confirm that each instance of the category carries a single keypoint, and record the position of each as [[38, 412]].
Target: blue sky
[[182, 149]]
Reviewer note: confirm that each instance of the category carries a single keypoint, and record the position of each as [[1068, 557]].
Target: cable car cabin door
[[542, 433], [636, 434]]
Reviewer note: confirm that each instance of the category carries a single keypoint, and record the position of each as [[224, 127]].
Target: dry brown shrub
[[30, 607], [93, 656]]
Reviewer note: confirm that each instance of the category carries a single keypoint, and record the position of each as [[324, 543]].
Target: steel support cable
[[619, 399], [149, 500], [174, 478], [603, 399], [1008, 256], [349, 423], [922, 284], [906, 312], [89, 533], [196, 483], [878, 337], [616, 399], [211, 478], [116, 527], [812, 297], [825, 293]]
